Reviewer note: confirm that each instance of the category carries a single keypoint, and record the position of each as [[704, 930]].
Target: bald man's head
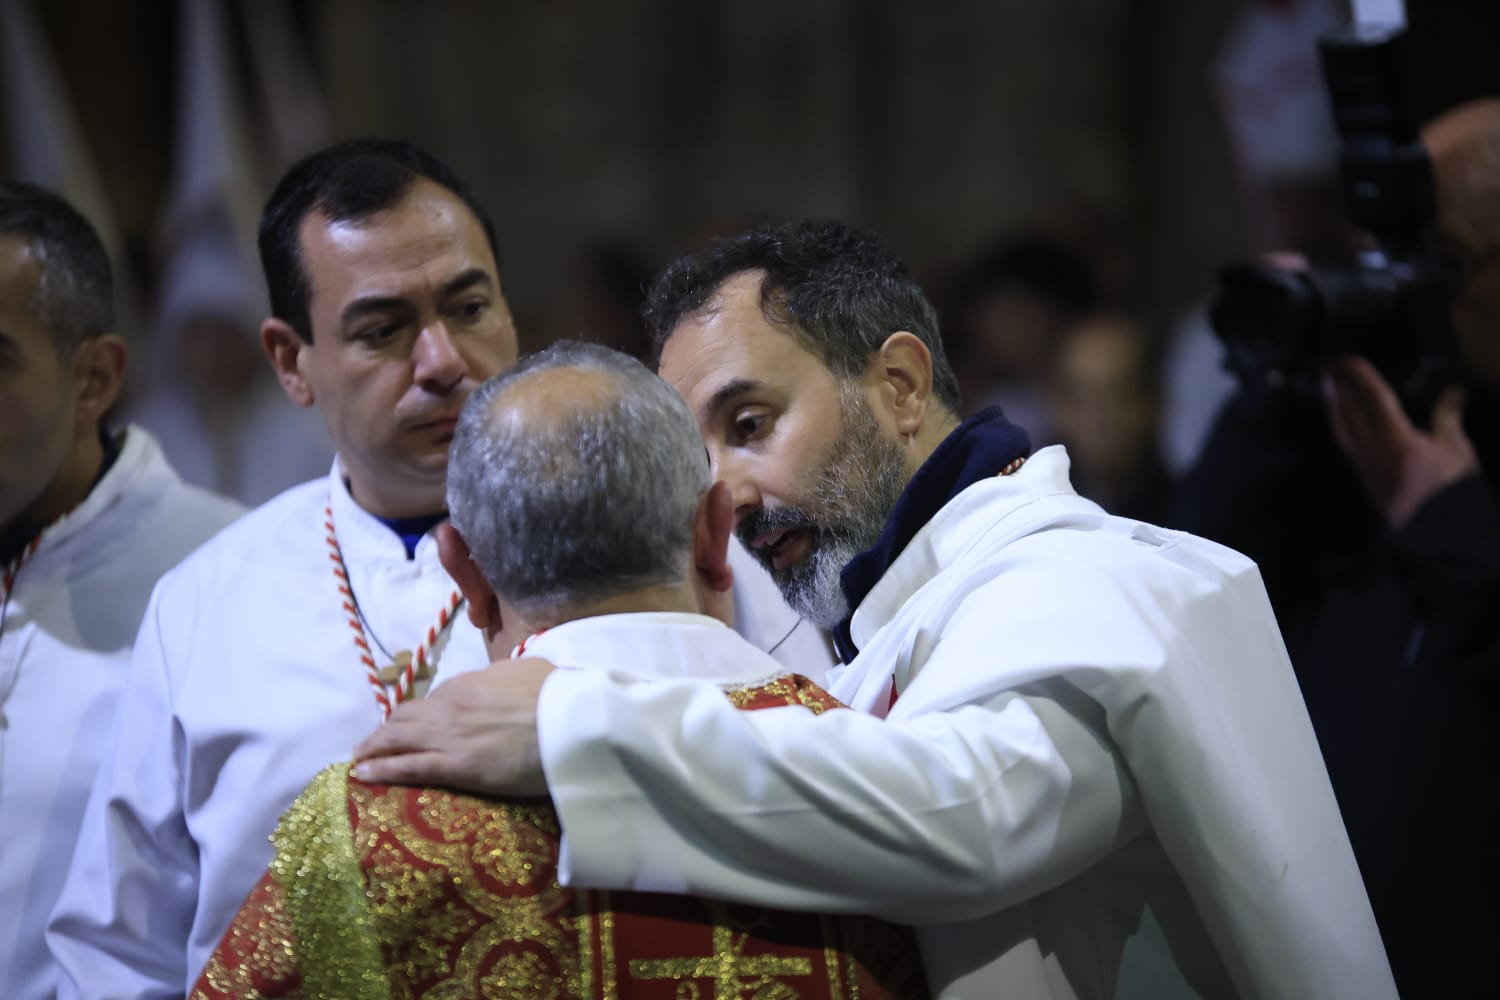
[[575, 477], [1465, 148]]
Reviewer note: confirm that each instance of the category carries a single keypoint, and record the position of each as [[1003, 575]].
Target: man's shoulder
[[250, 547], [1057, 555], [658, 646], [991, 525], [336, 805], [181, 517]]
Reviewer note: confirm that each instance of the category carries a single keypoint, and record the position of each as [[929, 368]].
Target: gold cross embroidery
[[726, 966], [389, 674]]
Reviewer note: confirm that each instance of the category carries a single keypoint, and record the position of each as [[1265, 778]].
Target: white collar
[[363, 536], [656, 645], [1006, 502], [140, 460]]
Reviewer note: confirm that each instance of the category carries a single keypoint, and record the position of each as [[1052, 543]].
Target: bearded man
[[1079, 753]]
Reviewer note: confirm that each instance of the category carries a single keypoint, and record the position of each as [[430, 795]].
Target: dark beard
[[843, 517]]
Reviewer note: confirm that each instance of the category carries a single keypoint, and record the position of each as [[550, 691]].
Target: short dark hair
[[347, 182], [75, 297], [834, 285]]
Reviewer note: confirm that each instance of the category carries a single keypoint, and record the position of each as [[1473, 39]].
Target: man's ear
[[453, 553], [99, 373], [901, 375], [712, 526], [285, 347]]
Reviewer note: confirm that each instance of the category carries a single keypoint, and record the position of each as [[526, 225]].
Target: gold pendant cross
[[390, 674]]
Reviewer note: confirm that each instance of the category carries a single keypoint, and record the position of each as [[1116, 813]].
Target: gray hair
[[589, 501]]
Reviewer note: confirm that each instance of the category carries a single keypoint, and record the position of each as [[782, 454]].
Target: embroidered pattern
[[419, 893]]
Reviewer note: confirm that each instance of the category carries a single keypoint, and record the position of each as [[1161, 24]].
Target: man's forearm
[[666, 787]]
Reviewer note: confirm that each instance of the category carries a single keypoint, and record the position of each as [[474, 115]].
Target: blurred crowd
[[1046, 318]]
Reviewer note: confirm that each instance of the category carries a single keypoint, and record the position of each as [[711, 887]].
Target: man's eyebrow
[[726, 392], [473, 277], [359, 308]]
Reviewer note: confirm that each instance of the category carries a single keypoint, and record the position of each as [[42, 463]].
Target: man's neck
[[396, 505], [671, 598], [69, 488], [933, 433]]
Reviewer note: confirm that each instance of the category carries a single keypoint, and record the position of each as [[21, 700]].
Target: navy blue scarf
[[976, 450]]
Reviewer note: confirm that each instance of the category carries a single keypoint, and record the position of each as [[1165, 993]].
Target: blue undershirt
[[977, 449], [411, 529]]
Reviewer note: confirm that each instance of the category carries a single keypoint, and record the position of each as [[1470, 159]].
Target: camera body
[[1388, 303]]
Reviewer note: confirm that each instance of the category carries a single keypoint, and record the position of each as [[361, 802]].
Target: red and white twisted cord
[[420, 657], [424, 650]]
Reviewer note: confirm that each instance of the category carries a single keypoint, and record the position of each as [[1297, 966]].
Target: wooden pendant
[[390, 674]]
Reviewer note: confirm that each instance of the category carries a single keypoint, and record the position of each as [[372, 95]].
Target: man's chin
[[427, 467]]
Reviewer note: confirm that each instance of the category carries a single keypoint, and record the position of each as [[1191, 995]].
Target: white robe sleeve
[[121, 925], [665, 786]]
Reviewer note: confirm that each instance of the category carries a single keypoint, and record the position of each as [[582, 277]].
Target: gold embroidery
[[727, 965], [814, 698], [523, 976], [260, 943], [741, 697], [458, 882], [607, 944], [419, 893], [788, 689], [317, 868], [583, 925], [831, 945]]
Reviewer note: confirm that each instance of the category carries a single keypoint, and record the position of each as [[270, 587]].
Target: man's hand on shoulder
[[476, 732], [1401, 466]]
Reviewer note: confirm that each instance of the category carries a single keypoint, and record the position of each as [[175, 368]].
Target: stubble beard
[[845, 512]]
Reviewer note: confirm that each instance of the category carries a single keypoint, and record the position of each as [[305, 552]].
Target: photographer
[[1379, 541]]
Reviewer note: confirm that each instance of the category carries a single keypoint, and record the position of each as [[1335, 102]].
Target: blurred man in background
[[1009, 310], [90, 517], [1104, 396], [1379, 541]]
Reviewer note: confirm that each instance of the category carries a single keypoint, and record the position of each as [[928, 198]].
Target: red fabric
[[465, 901]]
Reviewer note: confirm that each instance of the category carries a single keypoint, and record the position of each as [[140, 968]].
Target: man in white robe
[[585, 526], [1080, 759], [89, 519], [270, 652]]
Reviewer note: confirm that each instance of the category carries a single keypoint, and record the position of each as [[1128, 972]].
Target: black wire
[[784, 638], [369, 630]]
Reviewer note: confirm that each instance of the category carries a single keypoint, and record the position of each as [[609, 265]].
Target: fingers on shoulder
[[427, 767]]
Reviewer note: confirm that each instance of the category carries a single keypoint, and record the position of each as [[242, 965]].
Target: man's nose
[[438, 365], [743, 492]]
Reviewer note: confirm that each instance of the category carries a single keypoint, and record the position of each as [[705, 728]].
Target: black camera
[[1389, 303]]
